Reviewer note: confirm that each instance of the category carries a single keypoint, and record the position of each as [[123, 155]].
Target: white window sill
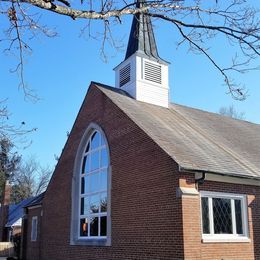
[[225, 239], [91, 242]]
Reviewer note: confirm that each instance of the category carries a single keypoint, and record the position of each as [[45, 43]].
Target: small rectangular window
[[34, 228], [223, 215]]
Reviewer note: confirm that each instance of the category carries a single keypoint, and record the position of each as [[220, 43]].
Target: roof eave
[[194, 170]]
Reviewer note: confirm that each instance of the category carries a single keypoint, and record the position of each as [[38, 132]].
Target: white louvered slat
[[153, 72]]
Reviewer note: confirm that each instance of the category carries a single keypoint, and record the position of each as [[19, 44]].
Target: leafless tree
[[30, 180], [13, 133], [231, 112], [196, 21], [27, 178]]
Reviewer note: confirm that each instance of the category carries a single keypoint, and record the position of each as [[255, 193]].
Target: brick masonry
[[194, 248], [32, 248], [148, 220]]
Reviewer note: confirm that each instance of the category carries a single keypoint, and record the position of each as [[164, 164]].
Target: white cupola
[[143, 74]]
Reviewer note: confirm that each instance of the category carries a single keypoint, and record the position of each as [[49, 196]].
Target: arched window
[[91, 190]]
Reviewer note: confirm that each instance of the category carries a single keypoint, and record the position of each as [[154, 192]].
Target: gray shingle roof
[[195, 139]]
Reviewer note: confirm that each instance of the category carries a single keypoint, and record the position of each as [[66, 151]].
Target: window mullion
[[88, 226], [234, 228], [244, 216], [99, 225], [211, 218]]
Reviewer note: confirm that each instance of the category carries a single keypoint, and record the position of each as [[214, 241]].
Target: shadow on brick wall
[[255, 209]]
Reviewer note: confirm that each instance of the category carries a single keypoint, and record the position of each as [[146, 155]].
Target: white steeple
[[143, 74]]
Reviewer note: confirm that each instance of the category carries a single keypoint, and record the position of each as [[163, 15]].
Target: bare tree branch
[[231, 112], [197, 22], [30, 180], [11, 132]]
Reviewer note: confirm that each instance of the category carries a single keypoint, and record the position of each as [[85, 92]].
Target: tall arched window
[[91, 190]]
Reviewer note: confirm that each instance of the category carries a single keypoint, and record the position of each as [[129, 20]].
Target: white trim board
[[228, 179], [34, 207]]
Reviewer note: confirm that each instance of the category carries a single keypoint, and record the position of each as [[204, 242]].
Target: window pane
[[205, 215], [94, 160], [95, 140], [94, 182], [85, 184], [103, 202], [103, 226], [104, 158], [94, 227], [82, 185], [238, 212], [34, 229], [103, 180], [83, 227], [85, 165], [94, 204], [222, 216], [84, 206], [81, 206]]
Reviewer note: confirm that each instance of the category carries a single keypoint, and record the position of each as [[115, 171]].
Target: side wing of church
[[142, 178]]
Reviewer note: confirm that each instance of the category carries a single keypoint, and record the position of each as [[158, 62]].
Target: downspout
[[200, 180]]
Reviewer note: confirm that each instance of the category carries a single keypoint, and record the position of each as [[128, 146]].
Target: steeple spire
[[141, 38], [143, 74]]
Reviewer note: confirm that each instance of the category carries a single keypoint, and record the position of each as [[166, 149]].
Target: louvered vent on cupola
[[153, 72], [125, 75]]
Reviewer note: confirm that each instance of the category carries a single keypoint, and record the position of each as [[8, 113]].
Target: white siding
[[140, 87]]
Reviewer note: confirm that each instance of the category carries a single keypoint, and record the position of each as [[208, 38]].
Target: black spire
[[141, 38]]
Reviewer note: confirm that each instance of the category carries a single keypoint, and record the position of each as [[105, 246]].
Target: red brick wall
[[194, 248], [33, 247], [146, 216]]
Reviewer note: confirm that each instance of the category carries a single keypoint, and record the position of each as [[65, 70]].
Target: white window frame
[[75, 238], [211, 237], [34, 228]]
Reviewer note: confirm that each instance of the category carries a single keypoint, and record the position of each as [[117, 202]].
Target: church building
[[143, 178]]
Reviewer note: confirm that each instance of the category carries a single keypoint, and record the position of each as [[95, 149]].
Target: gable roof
[[37, 200], [196, 140], [15, 212]]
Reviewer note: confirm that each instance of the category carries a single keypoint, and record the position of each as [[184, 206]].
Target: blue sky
[[60, 70]]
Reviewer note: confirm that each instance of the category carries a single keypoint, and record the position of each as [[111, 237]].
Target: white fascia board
[[229, 179]]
